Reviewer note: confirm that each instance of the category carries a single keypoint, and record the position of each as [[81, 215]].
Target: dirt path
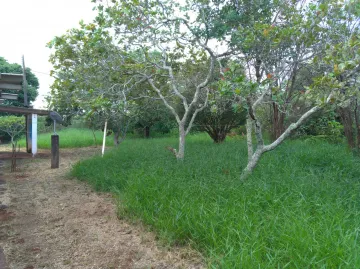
[[47, 221]]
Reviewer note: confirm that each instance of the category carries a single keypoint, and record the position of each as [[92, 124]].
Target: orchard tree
[[164, 36], [13, 126], [220, 116], [324, 34], [88, 81], [149, 112]]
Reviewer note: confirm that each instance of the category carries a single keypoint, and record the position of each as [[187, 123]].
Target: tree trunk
[[218, 134], [357, 123], [249, 125], [278, 119], [181, 153], [347, 121], [116, 138], [147, 132], [94, 136], [253, 161]]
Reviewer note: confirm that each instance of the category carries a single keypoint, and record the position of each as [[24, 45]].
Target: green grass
[[71, 138], [300, 208]]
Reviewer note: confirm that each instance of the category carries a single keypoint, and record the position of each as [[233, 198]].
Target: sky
[[26, 27]]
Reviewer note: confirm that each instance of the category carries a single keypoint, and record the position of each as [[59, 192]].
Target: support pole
[[104, 139], [34, 134], [26, 102], [28, 124], [55, 155]]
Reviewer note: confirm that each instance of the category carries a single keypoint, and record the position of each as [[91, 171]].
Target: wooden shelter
[[10, 82], [17, 82]]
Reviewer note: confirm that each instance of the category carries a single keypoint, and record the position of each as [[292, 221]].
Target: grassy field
[[71, 138], [300, 209]]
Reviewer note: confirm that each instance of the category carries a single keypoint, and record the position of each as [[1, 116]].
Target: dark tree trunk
[[94, 136], [217, 134], [347, 122], [357, 124], [278, 119], [147, 132], [116, 138]]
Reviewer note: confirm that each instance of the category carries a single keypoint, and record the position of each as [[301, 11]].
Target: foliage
[[88, 81], [275, 41], [152, 115], [12, 126], [32, 80], [171, 49], [324, 126], [161, 45], [304, 213], [220, 116]]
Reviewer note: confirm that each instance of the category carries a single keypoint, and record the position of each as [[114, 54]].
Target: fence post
[[55, 156]]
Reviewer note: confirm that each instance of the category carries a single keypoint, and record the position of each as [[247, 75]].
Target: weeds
[[300, 208]]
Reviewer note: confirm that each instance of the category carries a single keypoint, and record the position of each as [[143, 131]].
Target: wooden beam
[[23, 110], [22, 155], [8, 96], [8, 86], [11, 78]]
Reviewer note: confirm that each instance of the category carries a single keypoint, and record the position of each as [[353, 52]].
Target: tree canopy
[[178, 51], [32, 81]]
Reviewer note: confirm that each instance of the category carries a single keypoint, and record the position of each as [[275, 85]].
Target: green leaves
[[13, 126]]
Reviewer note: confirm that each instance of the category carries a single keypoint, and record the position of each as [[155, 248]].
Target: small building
[[16, 82]]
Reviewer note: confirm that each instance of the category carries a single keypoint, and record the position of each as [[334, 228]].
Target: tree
[[32, 80], [220, 116], [165, 37], [88, 79], [273, 39], [150, 112], [12, 125]]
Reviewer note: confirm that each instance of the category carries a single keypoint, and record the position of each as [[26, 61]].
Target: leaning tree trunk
[[254, 158], [252, 162]]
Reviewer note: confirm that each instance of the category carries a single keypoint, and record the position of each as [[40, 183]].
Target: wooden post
[[26, 102], [55, 156], [28, 124]]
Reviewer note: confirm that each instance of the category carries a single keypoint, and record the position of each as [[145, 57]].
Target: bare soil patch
[[48, 221]]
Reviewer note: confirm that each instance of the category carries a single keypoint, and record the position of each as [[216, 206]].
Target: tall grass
[[71, 138], [300, 208]]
